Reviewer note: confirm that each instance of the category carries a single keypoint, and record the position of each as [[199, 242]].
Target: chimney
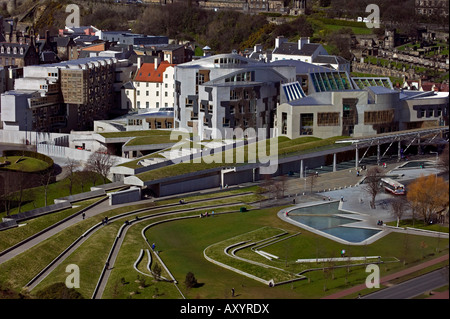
[[279, 40], [302, 41], [139, 62], [157, 61]]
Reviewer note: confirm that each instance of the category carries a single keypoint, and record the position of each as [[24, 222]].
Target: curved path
[[97, 208], [98, 292]]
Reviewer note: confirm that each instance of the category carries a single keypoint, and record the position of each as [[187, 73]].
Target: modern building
[[125, 37], [224, 91], [337, 105], [64, 96]]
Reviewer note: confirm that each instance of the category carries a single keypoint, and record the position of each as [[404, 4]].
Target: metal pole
[[334, 162]]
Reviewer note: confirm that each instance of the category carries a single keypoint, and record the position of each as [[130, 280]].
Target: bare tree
[[72, 166], [398, 206], [372, 183], [101, 162], [45, 178], [443, 162]]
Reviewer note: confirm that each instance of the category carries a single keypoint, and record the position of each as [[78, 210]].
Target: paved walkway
[[386, 279]]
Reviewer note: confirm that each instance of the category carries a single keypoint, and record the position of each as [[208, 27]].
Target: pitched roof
[[291, 48], [147, 72]]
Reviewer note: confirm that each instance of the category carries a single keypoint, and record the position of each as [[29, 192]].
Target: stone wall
[[381, 71]]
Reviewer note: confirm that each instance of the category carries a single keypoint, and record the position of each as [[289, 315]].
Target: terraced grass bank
[[240, 156]]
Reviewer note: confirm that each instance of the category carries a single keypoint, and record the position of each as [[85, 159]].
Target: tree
[[372, 183], [190, 281], [100, 162], [156, 270], [45, 178], [398, 207], [428, 196], [72, 165]]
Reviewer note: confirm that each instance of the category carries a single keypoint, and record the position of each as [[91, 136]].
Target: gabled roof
[[147, 72], [291, 48]]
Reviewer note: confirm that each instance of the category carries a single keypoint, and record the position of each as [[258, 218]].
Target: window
[[157, 93], [146, 93], [284, 123], [306, 123], [147, 104]]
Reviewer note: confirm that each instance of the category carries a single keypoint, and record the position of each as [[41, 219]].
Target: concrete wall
[[126, 196], [190, 185]]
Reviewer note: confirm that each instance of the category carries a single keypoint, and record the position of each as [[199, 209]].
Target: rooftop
[[147, 72]]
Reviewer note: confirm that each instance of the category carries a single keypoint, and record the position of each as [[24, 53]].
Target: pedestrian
[[232, 292], [153, 246], [83, 215], [342, 198], [107, 265]]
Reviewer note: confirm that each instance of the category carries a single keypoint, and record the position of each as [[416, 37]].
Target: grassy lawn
[[182, 243], [153, 139], [184, 252], [22, 268], [15, 235], [24, 164], [94, 247], [420, 225], [35, 197]]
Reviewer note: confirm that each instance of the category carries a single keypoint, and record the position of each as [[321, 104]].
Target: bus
[[393, 187]]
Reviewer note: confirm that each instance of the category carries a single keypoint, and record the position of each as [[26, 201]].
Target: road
[[413, 287]]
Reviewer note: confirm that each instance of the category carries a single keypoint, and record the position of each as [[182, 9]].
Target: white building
[[305, 51], [152, 87]]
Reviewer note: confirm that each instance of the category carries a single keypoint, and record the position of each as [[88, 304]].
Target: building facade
[[337, 105], [225, 91], [63, 96], [153, 86]]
